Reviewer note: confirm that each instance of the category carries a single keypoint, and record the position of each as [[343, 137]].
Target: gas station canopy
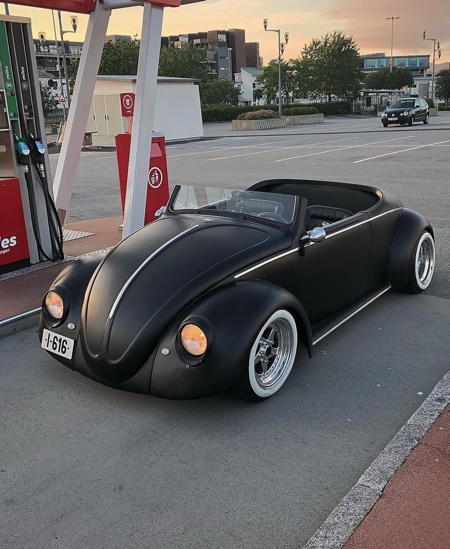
[[99, 12], [87, 6]]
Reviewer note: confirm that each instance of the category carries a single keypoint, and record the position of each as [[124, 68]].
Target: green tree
[[331, 66], [220, 92], [385, 79], [442, 87], [120, 58], [269, 79], [304, 81], [184, 62], [400, 77], [258, 94], [49, 103]]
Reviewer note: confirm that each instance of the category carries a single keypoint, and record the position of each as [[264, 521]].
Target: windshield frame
[[290, 201]]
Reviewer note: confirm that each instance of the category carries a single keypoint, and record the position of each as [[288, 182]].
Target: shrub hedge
[[260, 114], [228, 113]]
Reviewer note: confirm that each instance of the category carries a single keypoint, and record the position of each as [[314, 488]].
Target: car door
[[335, 272], [418, 110], [424, 106]]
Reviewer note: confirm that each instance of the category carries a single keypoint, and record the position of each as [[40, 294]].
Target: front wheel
[[271, 358], [411, 120], [422, 264], [427, 119]]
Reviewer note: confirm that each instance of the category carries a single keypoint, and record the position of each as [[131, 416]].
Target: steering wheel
[[240, 208], [272, 217]]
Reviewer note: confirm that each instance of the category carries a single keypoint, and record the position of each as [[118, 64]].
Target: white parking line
[[345, 148], [231, 148], [402, 151], [282, 149]]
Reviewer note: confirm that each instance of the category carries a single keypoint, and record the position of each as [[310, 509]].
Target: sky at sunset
[[303, 19]]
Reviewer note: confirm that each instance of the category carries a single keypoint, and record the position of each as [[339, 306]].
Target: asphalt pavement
[[83, 465]]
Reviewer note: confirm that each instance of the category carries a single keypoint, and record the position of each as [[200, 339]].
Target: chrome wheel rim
[[274, 353], [425, 261]]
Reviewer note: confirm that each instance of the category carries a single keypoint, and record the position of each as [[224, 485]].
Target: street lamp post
[[280, 53], [438, 49], [62, 32], [392, 39]]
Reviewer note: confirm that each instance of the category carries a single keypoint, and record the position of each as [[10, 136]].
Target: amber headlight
[[193, 339], [54, 305]]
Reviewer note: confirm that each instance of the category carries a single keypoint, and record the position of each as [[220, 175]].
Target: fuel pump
[[30, 230]]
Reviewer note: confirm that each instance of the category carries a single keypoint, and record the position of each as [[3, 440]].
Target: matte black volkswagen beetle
[[218, 293]]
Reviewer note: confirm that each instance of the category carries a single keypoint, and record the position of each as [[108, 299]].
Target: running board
[[349, 313]]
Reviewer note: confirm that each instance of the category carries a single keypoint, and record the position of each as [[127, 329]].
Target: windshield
[[403, 104], [278, 208]]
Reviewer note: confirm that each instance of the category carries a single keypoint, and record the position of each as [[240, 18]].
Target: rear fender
[[231, 317], [410, 226]]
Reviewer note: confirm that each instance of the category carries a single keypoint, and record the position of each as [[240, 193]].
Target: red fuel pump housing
[[157, 181], [13, 234]]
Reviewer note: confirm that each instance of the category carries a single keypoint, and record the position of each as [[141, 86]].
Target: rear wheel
[[271, 358], [422, 264]]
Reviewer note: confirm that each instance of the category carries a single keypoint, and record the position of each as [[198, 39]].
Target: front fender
[[72, 283], [232, 315], [410, 226]]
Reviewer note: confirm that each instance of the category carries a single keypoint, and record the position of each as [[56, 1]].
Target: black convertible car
[[218, 293]]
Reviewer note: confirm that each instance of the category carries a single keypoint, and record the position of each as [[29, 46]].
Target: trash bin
[[157, 180]]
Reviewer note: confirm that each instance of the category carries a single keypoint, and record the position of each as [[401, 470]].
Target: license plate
[[58, 344], [393, 118]]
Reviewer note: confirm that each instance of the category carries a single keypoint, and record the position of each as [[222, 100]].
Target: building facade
[[417, 64]]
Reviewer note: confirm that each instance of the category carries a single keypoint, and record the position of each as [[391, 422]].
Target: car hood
[[150, 277], [398, 111]]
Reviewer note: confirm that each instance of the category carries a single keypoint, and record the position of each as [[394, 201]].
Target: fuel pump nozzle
[[38, 148], [37, 144], [21, 146]]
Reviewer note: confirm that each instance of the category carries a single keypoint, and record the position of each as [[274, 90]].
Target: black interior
[[322, 193], [257, 206], [320, 216]]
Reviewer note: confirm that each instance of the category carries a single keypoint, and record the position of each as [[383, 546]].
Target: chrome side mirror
[[318, 234], [160, 211]]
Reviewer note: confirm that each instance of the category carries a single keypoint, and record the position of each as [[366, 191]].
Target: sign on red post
[[157, 178], [127, 104]]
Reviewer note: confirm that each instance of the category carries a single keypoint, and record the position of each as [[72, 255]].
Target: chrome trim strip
[[266, 262], [352, 315], [141, 267], [360, 223], [311, 243]]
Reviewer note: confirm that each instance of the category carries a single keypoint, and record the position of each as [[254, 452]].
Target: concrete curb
[[20, 322], [346, 517]]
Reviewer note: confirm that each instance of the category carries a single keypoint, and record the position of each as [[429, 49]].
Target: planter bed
[[272, 123]]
